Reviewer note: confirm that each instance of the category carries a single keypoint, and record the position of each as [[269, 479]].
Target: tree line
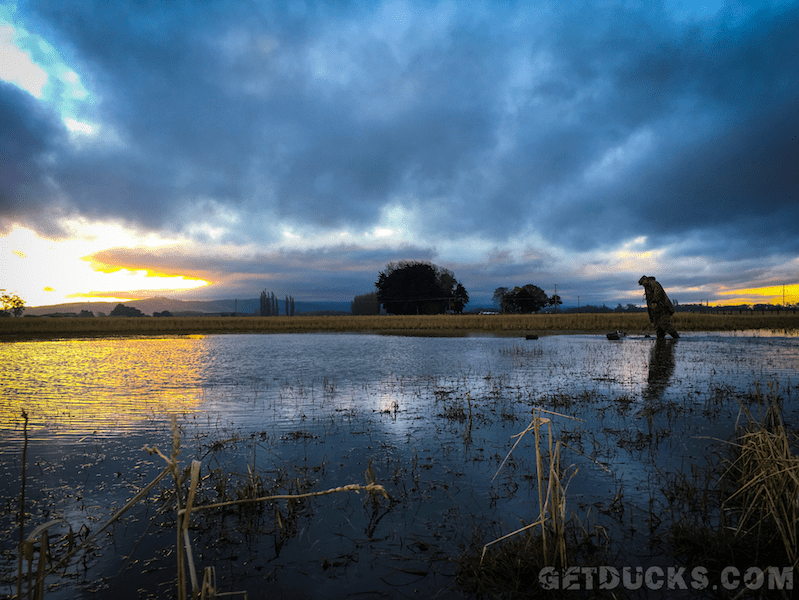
[[423, 288], [365, 304], [270, 305]]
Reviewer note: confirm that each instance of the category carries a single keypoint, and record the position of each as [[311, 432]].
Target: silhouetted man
[[659, 306]]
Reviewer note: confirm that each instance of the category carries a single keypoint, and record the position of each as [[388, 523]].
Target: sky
[[210, 150]]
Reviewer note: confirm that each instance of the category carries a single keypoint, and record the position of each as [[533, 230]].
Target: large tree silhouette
[[460, 298], [526, 299], [419, 288]]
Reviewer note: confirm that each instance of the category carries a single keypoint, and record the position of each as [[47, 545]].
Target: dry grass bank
[[429, 325]]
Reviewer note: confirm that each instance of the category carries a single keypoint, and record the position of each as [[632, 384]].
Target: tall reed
[[743, 509], [552, 502], [22, 502], [762, 480]]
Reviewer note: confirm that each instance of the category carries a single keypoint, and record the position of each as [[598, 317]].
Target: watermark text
[[664, 578]]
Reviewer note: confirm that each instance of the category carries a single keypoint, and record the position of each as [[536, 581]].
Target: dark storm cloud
[[335, 273], [576, 121], [743, 172], [157, 81], [719, 104], [27, 136]]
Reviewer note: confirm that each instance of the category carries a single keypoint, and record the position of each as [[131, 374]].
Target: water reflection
[[661, 369], [100, 386], [432, 417]]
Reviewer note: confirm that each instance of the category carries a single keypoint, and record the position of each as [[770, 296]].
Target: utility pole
[[556, 296]]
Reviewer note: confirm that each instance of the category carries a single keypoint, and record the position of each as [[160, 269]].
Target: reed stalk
[[41, 571], [172, 467], [22, 503], [539, 467], [764, 475], [372, 488], [184, 521], [747, 512], [552, 503]]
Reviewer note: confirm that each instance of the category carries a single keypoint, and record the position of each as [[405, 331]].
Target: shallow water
[[433, 416]]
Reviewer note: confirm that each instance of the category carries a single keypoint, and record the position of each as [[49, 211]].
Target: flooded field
[[433, 420]]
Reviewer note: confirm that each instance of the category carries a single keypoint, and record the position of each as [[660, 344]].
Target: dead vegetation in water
[[455, 407], [742, 509], [512, 570], [252, 501], [510, 565], [41, 559]]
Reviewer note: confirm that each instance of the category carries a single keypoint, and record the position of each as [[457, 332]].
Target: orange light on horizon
[[44, 272], [774, 294]]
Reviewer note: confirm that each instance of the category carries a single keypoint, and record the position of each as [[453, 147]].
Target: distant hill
[[159, 304]]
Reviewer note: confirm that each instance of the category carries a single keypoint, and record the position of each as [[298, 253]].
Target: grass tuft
[[743, 510]]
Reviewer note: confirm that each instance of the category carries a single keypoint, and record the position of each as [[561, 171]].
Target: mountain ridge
[[148, 306]]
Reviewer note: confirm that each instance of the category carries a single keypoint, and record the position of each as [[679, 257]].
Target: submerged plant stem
[[352, 487], [22, 504]]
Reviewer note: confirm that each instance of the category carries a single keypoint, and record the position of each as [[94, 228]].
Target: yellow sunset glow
[[44, 272], [762, 295]]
